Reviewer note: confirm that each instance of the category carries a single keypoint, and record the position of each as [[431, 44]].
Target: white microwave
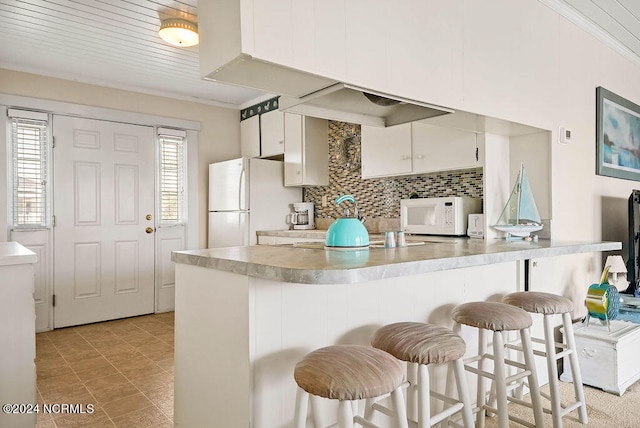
[[438, 216]]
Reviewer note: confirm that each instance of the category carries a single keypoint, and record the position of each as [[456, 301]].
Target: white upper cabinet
[[416, 148], [250, 137], [262, 135], [306, 156], [271, 133], [386, 151], [436, 149]]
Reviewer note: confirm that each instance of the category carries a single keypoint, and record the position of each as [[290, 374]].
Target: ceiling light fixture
[[179, 32]]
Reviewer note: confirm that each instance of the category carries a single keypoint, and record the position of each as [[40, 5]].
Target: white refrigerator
[[247, 195]]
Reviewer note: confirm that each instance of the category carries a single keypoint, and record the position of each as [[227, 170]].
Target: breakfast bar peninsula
[[245, 315]]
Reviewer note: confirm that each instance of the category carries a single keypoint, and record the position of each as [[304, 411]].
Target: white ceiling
[[112, 43], [115, 43], [614, 22]]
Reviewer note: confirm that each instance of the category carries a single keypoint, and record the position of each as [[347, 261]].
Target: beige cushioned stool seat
[[539, 303], [348, 372], [419, 343], [492, 316]]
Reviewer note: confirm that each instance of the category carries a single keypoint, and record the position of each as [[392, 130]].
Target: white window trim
[[32, 115], [179, 134]]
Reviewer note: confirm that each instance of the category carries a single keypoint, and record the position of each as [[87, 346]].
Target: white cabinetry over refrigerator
[[262, 135]]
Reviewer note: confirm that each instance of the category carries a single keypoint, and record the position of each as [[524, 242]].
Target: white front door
[[103, 239]]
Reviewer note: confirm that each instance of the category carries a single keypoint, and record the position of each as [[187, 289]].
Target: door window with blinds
[[172, 144], [29, 203]]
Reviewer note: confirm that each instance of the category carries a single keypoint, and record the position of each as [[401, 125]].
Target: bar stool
[[498, 318], [348, 373], [549, 305], [420, 345]]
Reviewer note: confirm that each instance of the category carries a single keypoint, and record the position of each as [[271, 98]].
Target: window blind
[[172, 148], [30, 172]]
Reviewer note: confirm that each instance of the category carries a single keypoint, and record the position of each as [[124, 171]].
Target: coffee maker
[[302, 217]]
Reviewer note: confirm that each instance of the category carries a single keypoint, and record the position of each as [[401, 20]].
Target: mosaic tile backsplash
[[380, 198]]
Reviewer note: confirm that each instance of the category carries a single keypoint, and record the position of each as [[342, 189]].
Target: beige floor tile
[[125, 405], [119, 352], [105, 382], [46, 372], [143, 372], [137, 362], [91, 363], [43, 419], [113, 366], [57, 382], [141, 339], [166, 364], [163, 399], [99, 372], [45, 423], [155, 381], [70, 394], [143, 418], [94, 420], [75, 355], [116, 392]]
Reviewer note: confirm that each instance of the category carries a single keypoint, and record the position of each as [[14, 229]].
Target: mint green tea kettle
[[347, 232]]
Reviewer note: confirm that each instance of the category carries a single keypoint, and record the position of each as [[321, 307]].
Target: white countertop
[[319, 266], [12, 253]]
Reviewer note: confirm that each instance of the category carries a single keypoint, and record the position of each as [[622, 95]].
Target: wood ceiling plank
[[606, 22]]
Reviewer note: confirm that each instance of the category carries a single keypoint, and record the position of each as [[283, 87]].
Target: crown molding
[[592, 28]]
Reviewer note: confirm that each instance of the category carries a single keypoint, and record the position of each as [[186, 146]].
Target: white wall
[[220, 128], [520, 61]]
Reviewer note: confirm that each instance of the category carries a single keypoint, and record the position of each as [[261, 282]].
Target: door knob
[[148, 217], [149, 230]]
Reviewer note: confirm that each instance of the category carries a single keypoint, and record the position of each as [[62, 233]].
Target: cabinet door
[[250, 137], [293, 150], [441, 149], [271, 133], [386, 151]]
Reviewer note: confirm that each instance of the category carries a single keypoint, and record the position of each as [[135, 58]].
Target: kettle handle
[[343, 198], [350, 199]]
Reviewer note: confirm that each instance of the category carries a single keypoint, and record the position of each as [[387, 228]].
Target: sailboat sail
[[520, 215]]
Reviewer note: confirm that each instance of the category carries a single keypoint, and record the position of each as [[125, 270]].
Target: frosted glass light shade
[[179, 32]]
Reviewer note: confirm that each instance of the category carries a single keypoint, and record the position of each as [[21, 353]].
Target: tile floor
[[123, 367]]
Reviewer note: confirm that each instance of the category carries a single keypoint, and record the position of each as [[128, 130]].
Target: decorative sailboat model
[[520, 216]]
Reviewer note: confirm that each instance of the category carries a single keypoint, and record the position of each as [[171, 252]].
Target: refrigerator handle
[[241, 188]]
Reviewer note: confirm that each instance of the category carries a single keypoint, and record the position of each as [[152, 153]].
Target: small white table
[[609, 360]]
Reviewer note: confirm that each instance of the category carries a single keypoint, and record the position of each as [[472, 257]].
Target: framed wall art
[[617, 136]]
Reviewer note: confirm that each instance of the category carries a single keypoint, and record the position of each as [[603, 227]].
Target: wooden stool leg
[[412, 391], [316, 412], [345, 414], [500, 380], [552, 369], [463, 393], [481, 387], [424, 397], [397, 398], [300, 415], [534, 392], [575, 367]]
